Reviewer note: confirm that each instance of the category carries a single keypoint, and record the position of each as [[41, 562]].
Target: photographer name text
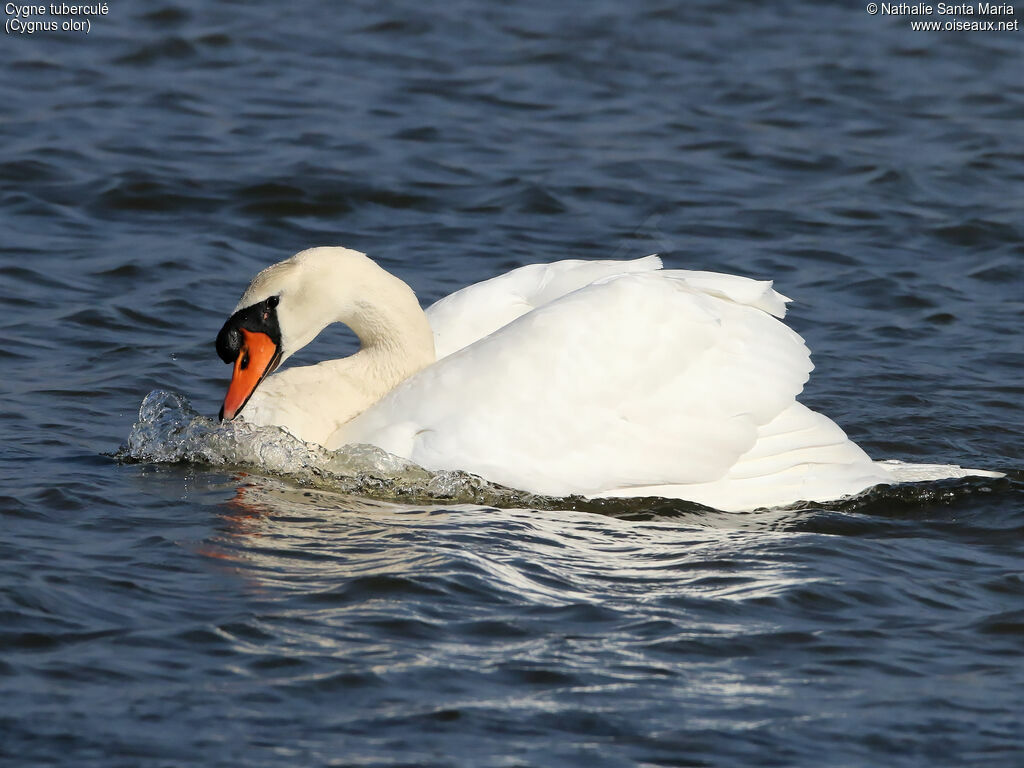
[[945, 9]]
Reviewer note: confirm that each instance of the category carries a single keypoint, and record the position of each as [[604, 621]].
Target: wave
[[170, 431]]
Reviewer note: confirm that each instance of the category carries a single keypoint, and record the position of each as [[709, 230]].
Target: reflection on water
[[282, 532], [405, 591]]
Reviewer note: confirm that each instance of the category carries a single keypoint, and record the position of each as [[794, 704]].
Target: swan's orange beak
[[257, 357]]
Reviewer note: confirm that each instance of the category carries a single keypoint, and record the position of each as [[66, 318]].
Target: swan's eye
[[273, 301]]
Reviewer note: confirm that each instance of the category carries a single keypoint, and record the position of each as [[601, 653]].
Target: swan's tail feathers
[[801, 455], [902, 472]]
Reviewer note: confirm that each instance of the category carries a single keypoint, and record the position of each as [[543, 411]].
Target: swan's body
[[596, 378]]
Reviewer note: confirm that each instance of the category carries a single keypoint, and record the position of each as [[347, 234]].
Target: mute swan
[[602, 378]]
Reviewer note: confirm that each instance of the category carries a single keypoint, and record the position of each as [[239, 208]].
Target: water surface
[[194, 613]]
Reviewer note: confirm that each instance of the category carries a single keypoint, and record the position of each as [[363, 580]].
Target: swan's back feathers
[[475, 311], [685, 368]]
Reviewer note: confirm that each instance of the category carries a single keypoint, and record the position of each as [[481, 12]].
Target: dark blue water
[[172, 614]]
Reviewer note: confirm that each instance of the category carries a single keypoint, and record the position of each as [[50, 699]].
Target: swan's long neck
[[395, 338], [394, 334]]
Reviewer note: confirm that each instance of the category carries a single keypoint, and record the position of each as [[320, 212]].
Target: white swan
[[603, 378]]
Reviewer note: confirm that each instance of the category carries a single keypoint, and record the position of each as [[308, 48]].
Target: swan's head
[[251, 339], [283, 309]]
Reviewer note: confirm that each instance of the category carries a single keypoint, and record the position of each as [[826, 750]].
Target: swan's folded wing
[[640, 380], [477, 310], [740, 290]]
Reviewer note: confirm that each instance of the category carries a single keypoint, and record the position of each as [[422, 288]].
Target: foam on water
[[170, 430]]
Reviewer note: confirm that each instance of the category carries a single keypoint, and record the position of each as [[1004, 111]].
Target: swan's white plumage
[[615, 389], [473, 312], [594, 378], [477, 310]]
